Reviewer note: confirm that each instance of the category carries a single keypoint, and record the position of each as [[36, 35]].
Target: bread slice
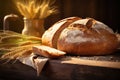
[[51, 36], [47, 51]]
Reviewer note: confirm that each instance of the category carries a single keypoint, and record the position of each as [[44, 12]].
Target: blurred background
[[106, 11]]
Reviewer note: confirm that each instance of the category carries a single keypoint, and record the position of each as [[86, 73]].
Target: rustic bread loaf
[[87, 37], [51, 36], [82, 37]]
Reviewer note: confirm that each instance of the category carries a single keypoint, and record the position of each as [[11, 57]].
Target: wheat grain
[[22, 53], [34, 9], [17, 52], [16, 45], [7, 38], [10, 54], [21, 10]]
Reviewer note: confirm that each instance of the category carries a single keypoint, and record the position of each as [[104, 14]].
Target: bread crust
[[51, 35], [81, 39]]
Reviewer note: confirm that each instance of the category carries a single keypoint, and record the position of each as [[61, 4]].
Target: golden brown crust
[[51, 36], [81, 37], [91, 43], [87, 40]]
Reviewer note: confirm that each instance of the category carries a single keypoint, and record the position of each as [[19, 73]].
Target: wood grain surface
[[67, 68]]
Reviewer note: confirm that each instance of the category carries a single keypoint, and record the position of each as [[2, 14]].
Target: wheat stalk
[[15, 45], [34, 9], [17, 52]]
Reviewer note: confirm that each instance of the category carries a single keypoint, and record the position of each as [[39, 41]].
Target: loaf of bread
[[51, 36], [81, 37], [47, 51]]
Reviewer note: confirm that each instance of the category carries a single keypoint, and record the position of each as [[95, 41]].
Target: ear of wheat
[[36, 8], [14, 45]]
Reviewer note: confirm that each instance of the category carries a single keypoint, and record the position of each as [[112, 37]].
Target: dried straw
[[18, 52], [36, 8], [13, 45]]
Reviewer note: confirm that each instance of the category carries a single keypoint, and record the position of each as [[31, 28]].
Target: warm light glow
[[36, 9]]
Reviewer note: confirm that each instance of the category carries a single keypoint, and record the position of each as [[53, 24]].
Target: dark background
[[106, 11]]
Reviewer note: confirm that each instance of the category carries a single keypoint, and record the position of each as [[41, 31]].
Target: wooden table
[[67, 68]]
